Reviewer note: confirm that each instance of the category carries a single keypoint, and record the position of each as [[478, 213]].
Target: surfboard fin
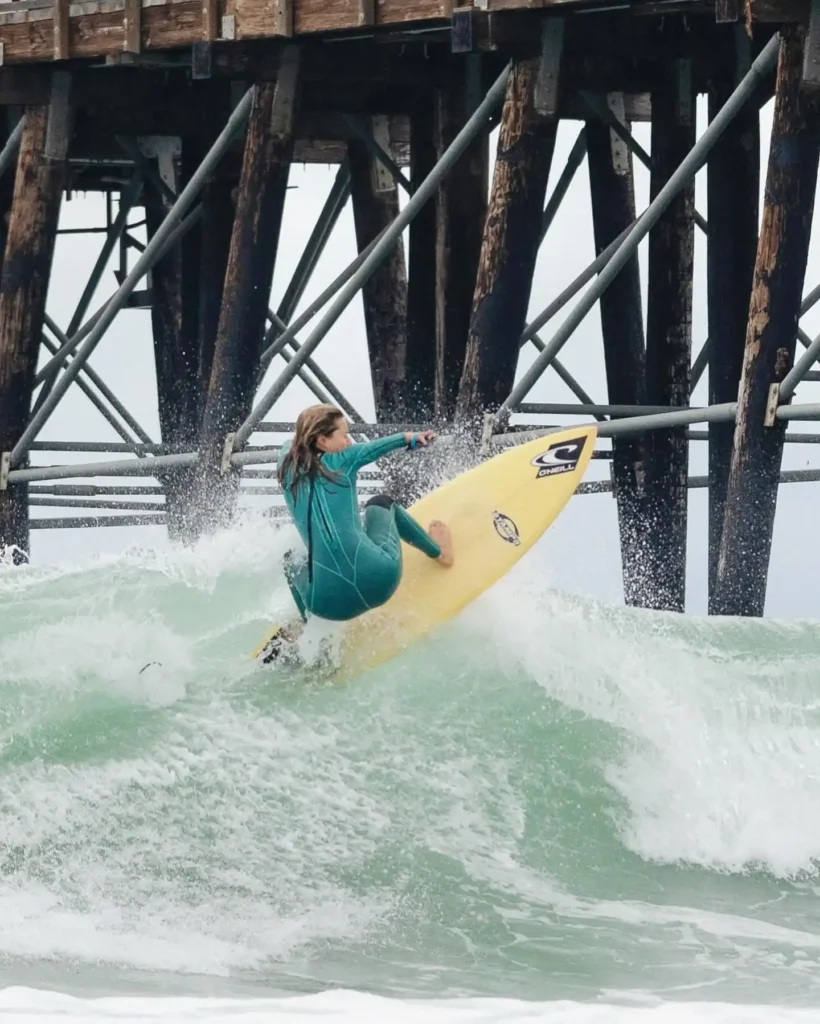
[[271, 648]]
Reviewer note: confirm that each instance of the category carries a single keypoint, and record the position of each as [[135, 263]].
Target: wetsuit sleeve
[[358, 455]]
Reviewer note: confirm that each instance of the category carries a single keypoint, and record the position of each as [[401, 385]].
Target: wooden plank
[[787, 11], [210, 20], [254, 18], [332, 15], [96, 26], [101, 35], [61, 40], [132, 26]]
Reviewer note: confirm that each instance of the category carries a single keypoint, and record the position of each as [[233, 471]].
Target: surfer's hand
[[424, 438]]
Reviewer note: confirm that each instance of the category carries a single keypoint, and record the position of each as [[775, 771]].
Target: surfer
[[351, 566]]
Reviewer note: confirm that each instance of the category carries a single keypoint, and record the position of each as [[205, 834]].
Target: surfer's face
[[337, 440]]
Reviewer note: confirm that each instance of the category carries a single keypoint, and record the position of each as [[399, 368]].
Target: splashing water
[[550, 799]]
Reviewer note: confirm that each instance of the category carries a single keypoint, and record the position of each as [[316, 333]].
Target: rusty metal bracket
[[547, 82], [487, 433], [5, 469], [772, 403], [227, 452]]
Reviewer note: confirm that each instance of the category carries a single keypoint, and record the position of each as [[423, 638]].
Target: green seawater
[[549, 799]]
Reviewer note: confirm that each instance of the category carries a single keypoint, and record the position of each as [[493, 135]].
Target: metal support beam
[[573, 288], [127, 199], [574, 161], [601, 110], [152, 252], [799, 370], [331, 393], [94, 399], [99, 383], [380, 251], [694, 160], [810, 300], [315, 246], [307, 315], [95, 522], [71, 343], [9, 152]]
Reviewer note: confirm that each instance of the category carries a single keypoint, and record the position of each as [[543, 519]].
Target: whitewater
[[553, 810]]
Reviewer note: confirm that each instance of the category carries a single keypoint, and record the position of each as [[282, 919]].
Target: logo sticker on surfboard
[[561, 457], [506, 528]]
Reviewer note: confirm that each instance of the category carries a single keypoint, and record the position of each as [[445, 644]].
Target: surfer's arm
[[358, 455]]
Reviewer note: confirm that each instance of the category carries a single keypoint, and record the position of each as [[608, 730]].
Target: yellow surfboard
[[496, 512]]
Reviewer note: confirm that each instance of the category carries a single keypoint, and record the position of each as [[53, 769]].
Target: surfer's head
[[320, 429]]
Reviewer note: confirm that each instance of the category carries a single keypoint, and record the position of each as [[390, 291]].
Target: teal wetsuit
[[351, 566]]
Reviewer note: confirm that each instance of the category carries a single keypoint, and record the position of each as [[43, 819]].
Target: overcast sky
[[581, 549]]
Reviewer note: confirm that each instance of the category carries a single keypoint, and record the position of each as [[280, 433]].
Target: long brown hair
[[304, 459]]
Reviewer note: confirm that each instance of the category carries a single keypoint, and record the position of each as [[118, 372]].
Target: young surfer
[[351, 566]]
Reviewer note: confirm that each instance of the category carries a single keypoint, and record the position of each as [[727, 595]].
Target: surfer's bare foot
[[441, 535]]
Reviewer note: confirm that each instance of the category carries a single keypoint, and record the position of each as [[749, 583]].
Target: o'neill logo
[[506, 528], [561, 457]]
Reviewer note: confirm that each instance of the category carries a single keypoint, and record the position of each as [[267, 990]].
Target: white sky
[[581, 549]]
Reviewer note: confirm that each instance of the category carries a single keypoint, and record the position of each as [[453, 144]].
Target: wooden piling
[[612, 191], [6, 189], [511, 237], [384, 296], [733, 183], [421, 279], [791, 181], [175, 297], [669, 338], [29, 250], [461, 206], [254, 242], [216, 229]]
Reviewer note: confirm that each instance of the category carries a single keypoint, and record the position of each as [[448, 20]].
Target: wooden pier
[[195, 110]]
